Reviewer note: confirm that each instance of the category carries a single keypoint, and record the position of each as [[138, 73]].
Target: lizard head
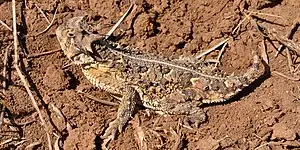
[[75, 40]]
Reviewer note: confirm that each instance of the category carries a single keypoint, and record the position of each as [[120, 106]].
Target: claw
[[111, 131], [195, 119]]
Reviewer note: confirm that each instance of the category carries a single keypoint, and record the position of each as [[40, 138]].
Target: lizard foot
[[111, 132], [195, 119]]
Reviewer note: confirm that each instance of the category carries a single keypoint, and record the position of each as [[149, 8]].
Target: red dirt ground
[[264, 117]]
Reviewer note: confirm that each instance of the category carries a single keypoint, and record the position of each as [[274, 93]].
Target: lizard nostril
[[71, 34]]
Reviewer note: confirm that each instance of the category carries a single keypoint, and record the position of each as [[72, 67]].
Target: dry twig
[[22, 77], [19, 143], [5, 63], [254, 13], [289, 60], [263, 52], [48, 27], [58, 112], [32, 145], [10, 140], [220, 54], [43, 53], [97, 99], [291, 144], [212, 61], [109, 33], [5, 25], [286, 42], [159, 137], [289, 36], [285, 76], [12, 123], [62, 116], [296, 69], [56, 143], [2, 116], [178, 139], [140, 134], [241, 22], [41, 11], [211, 49]]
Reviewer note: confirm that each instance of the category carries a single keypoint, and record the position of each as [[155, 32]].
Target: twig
[[58, 112], [286, 42], [140, 134], [259, 28], [6, 134], [263, 52], [178, 139], [22, 77], [35, 105], [289, 61], [41, 11], [10, 140], [264, 14], [211, 49], [159, 137], [2, 116], [108, 34], [240, 23], [285, 76], [69, 127], [12, 123], [46, 29], [263, 145], [277, 143], [25, 2], [5, 25], [212, 61], [98, 100], [19, 143], [220, 54], [187, 127], [215, 146], [289, 36], [56, 143], [67, 65], [5, 63], [16, 42], [296, 96], [62, 116], [32, 145], [43, 53], [295, 70]]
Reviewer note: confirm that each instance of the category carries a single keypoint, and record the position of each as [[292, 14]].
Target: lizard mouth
[[80, 59]]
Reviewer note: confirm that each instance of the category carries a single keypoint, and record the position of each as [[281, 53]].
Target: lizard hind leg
[[194, 113]]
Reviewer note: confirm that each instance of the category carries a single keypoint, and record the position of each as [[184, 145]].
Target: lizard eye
[[206, 88]]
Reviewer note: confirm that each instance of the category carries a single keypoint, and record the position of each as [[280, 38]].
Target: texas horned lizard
[[171, 86]]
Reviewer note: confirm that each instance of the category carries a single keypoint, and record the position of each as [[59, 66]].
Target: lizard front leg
[[125, 110]]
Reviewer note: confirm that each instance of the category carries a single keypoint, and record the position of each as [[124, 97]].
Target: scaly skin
[[170, 86]]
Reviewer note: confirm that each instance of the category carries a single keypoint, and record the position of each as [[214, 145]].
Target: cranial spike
[[206, 101], [194, 80], [119, 46]]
